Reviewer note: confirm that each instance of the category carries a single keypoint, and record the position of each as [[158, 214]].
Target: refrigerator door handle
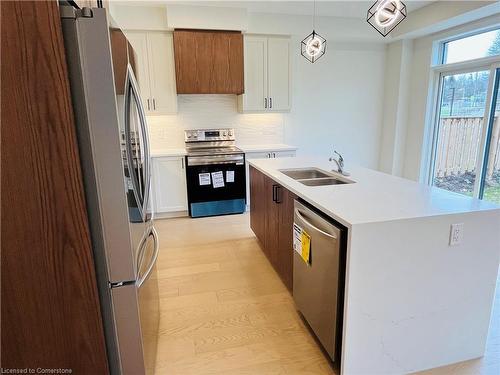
[[132, 90], [146, 275], [140, 254], [130, 156]]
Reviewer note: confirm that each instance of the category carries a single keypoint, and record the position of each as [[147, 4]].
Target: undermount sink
[[314, 177], [305, 173], [323, 181]]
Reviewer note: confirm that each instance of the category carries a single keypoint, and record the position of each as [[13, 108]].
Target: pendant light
[[313, 46], [385, 15]]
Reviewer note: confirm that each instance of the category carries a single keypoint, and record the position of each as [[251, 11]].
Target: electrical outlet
[[456, 234]]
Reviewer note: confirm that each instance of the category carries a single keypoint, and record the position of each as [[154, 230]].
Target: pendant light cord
[[314, 14]]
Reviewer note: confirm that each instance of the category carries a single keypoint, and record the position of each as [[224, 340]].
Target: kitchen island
[[411, 301]]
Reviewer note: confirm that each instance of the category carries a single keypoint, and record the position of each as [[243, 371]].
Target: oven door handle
[[215, 159]]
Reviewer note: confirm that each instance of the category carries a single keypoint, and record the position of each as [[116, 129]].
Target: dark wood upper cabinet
[[208, 62], [122, 53]]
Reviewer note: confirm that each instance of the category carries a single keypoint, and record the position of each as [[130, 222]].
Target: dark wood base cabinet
[[271, 219]]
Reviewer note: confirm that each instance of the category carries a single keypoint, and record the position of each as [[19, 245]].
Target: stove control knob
[[230, 133]]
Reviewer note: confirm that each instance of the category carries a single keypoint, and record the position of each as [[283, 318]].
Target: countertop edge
[[350, 224], [267, 147], [180, 151], [168, 152]]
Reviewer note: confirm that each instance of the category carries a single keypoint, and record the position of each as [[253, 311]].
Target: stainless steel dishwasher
[[318, 284]]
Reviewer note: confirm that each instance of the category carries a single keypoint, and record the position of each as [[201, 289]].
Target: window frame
[[490, 118], [442, 44]]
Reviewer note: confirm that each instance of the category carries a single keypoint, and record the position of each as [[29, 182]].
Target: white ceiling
[[350, 9]]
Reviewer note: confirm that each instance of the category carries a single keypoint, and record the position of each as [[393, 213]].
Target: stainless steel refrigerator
[[114, 152]]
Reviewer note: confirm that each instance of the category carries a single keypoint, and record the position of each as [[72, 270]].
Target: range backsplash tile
[[214, 111]]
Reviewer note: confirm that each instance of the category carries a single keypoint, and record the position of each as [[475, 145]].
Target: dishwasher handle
[[301, 217]]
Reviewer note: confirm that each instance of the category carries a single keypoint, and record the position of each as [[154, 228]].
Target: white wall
[[337, 102], [396, 96], [139, 17], [417, 109]]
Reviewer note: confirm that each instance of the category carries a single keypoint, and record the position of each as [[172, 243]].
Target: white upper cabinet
[[255, 55], [278, 73], [139, 42], [155, 70], [267, 74], [162, 72]]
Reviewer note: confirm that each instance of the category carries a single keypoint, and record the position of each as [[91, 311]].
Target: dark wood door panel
[[50, 308], [258, 206], [272, 222], [208, 62], [236, 64], [185, 73], [271, 219], [285, 235]]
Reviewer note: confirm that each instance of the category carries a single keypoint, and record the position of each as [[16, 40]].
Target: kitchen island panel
[[412, 301]]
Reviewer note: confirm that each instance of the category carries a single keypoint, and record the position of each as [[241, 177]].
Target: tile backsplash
[[214, 111]]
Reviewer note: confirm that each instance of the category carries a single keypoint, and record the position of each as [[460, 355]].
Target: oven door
[[216, 184]]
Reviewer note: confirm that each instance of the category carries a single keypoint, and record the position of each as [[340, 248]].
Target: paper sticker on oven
[[229, 176], [204, 178], [218, 179]]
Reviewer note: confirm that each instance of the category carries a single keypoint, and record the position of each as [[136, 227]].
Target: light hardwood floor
[[225, 311]]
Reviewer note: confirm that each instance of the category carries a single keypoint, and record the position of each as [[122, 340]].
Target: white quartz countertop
[[181, 151], [267, 147], [165, 152], [374, 197]]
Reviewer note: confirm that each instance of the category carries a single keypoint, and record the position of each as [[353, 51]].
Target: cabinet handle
[[265, 102], [276, 195], [182, 161], [270, 102], [154, 104], [149, 108]]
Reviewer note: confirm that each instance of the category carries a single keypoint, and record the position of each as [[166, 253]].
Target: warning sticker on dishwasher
[[218, 179], [302, 243], [229, 176], [204, 178]]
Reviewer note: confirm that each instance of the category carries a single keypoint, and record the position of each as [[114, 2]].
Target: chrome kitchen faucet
[[340, 163]]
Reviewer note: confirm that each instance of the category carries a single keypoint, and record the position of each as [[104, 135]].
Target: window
[[466, 143], [472, 47], [460, 123]]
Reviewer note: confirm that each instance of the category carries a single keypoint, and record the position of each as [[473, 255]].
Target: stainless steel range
[[215, 173]]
